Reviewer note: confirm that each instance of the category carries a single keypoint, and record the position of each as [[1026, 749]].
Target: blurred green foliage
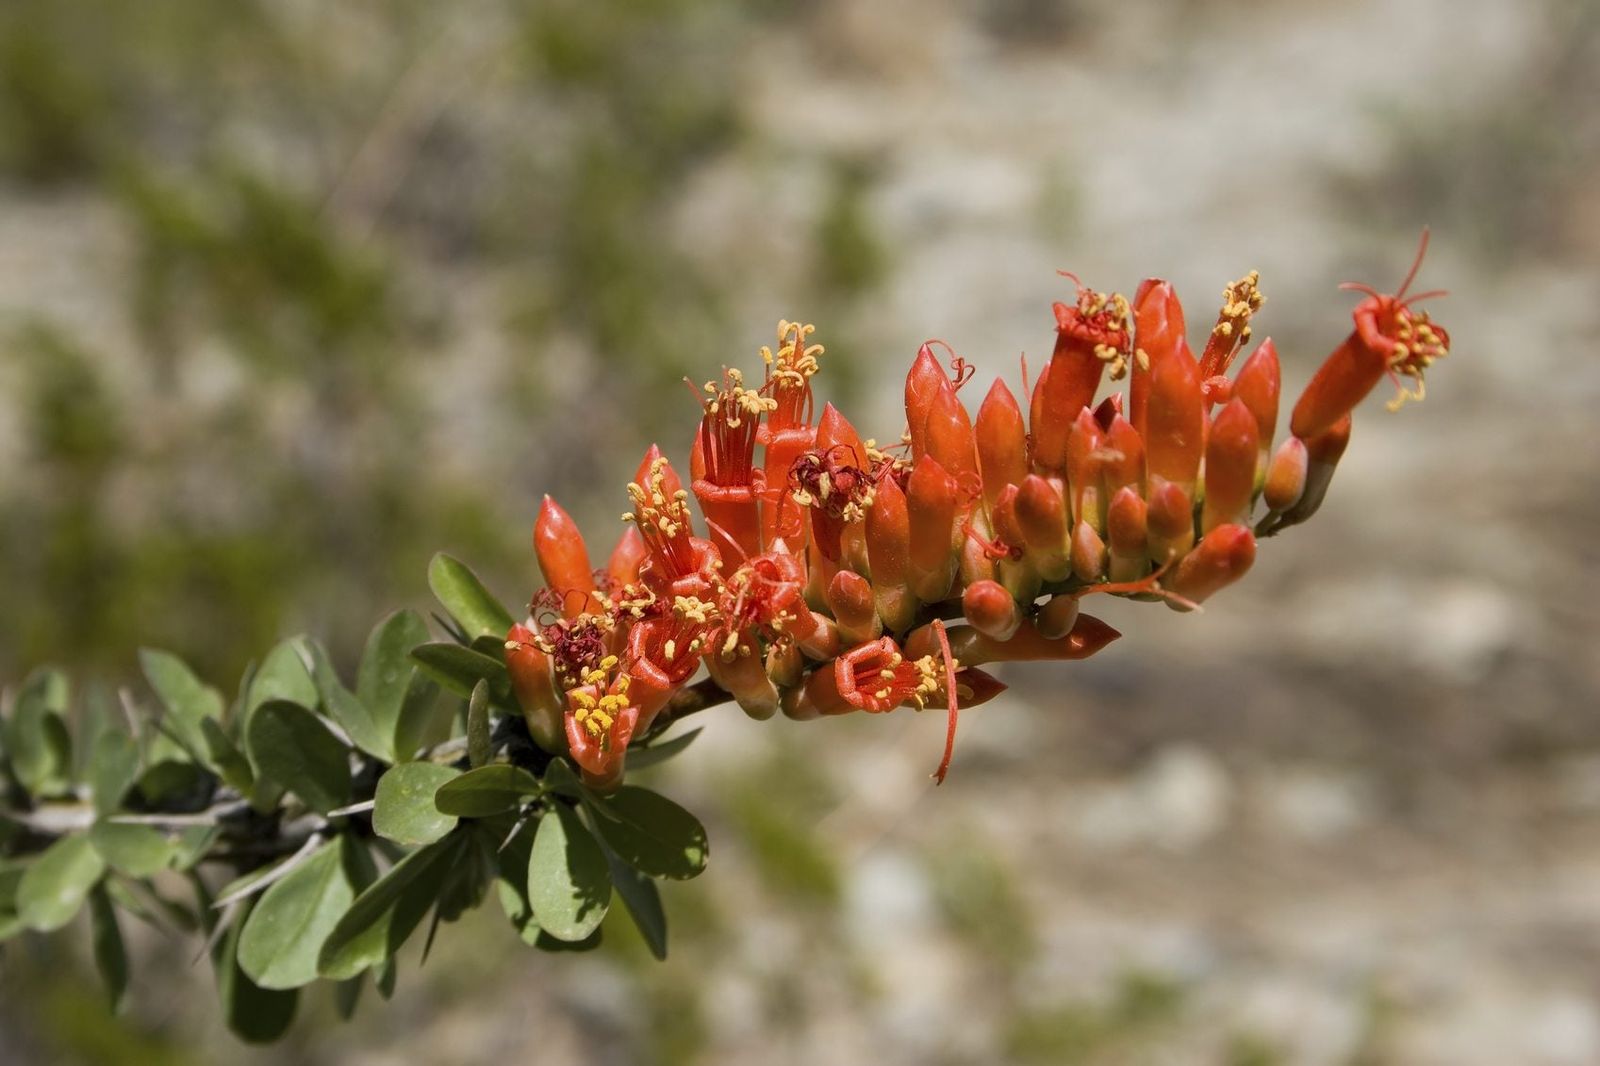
[[249, 435]]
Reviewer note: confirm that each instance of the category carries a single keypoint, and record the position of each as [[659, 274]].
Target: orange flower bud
[[1123, 460], [1088, 554], [1322, 456], [1170, 519], [924, 382], [1222, 557], [991, 610], [533, 682], [1174, 431], [1231, 454], [932, 502], [1286, 476], [950, 439], [854, 610], [564, 559], [1085, 458], [1127, 535], [1258, 385], [1158, 331], [836, 435], [1002, 442], [623, 566], [1057, 617], [889, 554], [1042, 517]]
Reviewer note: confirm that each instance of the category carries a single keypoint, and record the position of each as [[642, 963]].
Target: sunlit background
[[293, 294]]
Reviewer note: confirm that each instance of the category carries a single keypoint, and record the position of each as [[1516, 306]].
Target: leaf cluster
[[309, 829]]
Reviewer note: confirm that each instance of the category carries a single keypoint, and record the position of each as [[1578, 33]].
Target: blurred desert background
[[293, 294]]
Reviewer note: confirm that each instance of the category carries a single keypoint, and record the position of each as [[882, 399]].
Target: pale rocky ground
[[1350, 814]]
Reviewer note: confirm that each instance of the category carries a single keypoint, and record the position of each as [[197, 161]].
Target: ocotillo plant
[[825, 574]]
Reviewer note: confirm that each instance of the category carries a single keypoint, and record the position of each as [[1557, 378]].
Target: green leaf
[[420, 723], [113, 770], [187, 700], [224, 754], [192, 843], [110, 956], [486, 791], [651, 832], [256, 1015], [291, 747], [643, 901], [511, 886], [469, 603], [346, 996], [36, 737], [282, 676], [56, 883], [135, 850], [11, 871], [387, 677], [345, 708], [559, 778], [404, 810], [479, 736], [569, 883], [287, 926], [460, 669], [660, 751], [382, 917]]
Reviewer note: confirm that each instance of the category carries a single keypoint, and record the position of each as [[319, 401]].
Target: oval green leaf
[[569, 883], [54, 887], [188, 701], [460, 669], [135, 850], [279, 945], [469, 603], [379, 921], [110, 954], [486, 791], [256, 1015], [291, 747], [403, 809], [652, 833]]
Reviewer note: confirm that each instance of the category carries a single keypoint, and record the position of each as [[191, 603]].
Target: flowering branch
[[824, 575]]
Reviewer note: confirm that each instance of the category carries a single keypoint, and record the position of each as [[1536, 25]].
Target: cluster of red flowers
[[831, 570]]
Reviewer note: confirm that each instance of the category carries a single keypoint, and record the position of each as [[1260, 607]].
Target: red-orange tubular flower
[[825, 575]]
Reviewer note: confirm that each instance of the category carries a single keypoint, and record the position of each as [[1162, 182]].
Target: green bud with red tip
[[1128, 535], [1085, 460], [1089, 556], [1056, 617], [1170, 521], [1042, 518], [854, 610]]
